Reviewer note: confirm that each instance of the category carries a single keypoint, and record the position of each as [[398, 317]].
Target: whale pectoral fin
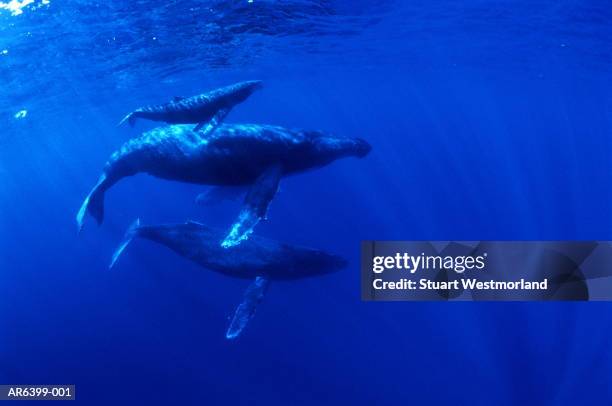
[[127, 239], [255, 206], [93, 204], [130, 118], [246, 310], [213, 123]]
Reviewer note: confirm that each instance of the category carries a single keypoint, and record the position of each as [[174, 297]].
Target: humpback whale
[[211, 107], [232, 155], [258, 259]]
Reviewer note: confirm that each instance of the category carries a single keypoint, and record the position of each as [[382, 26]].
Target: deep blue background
[[490, 120]]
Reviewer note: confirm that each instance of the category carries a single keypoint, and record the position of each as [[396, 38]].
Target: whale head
[[253, 84], [315, 262], [361, 147], [240, 91], [329, 147]]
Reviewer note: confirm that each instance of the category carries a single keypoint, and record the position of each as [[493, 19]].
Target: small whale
[[250, 155], [258, 259], [211, 107]]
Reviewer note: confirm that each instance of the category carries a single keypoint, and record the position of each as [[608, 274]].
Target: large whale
[[210, 107], [258, 259], [234, 154]]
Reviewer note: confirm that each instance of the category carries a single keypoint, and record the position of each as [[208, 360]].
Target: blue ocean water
[[488, 120]]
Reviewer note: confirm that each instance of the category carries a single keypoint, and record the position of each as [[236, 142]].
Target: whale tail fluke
[[127, 239], [93, 204], [130, 118]]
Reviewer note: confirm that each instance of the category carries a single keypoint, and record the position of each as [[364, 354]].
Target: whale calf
[[258, 259], [210, 107], [232, 155]]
